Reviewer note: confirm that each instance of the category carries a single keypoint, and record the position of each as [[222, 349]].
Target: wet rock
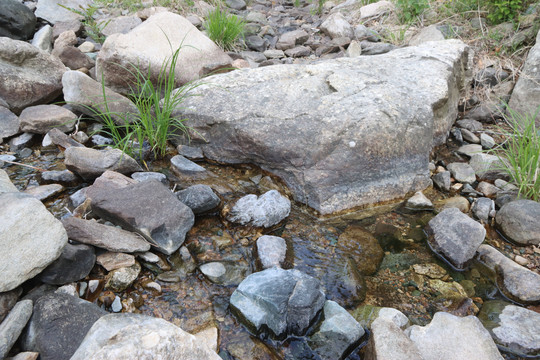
[[363, 248], [149, 175], [165, 31], [451, 337], [455, 236], [442, 180], [209, 338], [190, 152], [43, 192], [58, 325], [514, 280], [43, 38], [13, 325], [271, 251], [90, 163], [134, 336], [337, 335], [462, 172], [292, 38], [5, 183], [51, 11], [75, 263], [30, 236], [213, 271], [121, 24], [388, 342], [199, 198], [265, 211], [526, 94], [518, 220], [114, 260], [30, 76], [469, 149], [279, 301], [165, 227], [431, 270], [120, 279], [308, 96], [187, 168], [367, 314], [419, 202], [9, 123], [514, 329], [86, 95], [106, 237]]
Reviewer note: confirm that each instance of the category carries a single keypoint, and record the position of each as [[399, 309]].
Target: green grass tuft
[[223, 28]]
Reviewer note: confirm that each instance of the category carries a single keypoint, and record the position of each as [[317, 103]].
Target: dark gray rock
[[236, 4], [277, 302], [371, 48], [9, 123], [250, 116], [13, 325], [58, 325], [442, 180], [519, 221], [190, 152], [455, 236], [62, 176], [103, 236], [199, 198], [75, 263], [17, 21], [257, 43], [462, 172], [482, 208], [337, 335], [266, 210], [165, 226], [91, 163]]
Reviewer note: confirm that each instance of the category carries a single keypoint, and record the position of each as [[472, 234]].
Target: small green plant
[[223, 28], [409, 10], [92, 28], [154, 124], [504, 10], [519, 155]]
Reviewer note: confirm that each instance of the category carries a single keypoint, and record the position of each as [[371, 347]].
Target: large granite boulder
[[29, 76], [150, 44], [277, 302], [17, 21], [341, 133], [133, 336], [526, 94], [148, 208], [30, 238]]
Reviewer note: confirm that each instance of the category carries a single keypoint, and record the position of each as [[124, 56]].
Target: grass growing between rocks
[[92, 28], [223, 28], [520, 153], [153, 126]]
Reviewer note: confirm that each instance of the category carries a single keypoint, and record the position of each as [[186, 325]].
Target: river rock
[[73, 58], [17, 21], [75, 263], [337, 26], [149, 175], [30, 76], [271, 251], [526, 94], [114, 260], [120, 279], [5, 183], [266, 210], [482, 208], [514, 329], [469, 149], [367, 314], [442, 180], [455, 236], [290, 39], [134, 336], [462, 172], [165, 226], [419, 201], [518, 220], [9, 123], [486, 166], [63, 176], [58, 325], [91, 163], [453, 338], [30, 236], [199, 198], [86, 95], [362, 247], [514, 280], [121, 24], [388, 342], [249, 116], [183, 167], [43, 38], [52, 12], [40, 119], [337, 335], [103, 236], [13, 325], [8, 299], [428, 33], [280, 302], [150, 44]]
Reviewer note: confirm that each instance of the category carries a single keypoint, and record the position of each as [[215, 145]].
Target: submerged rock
[[330, 129], [277, 302], [199, 198], [271, 251], [266, 210]]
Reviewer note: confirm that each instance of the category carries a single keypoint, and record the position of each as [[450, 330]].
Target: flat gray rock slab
[[134, 336], [341, 133], [30, 237], [40, 119], [103, 236], [462, 172], [515, 281], [453, 338], [91, 163], [13, 324], [520, 221], [148, 208], [455, 236]]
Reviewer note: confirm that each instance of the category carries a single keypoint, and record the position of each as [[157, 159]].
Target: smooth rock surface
[[16, 20], [91, 163], [75, 263], [9, 123], [5, 183], [266, 210], [30, 236], [388, 342], [199, 198], [455, 236], [51, 10], [134, 336], [519, 221], [462, 172], [165, 226], [345, 115]]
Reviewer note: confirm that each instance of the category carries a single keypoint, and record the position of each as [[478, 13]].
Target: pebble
[[116, 305]]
